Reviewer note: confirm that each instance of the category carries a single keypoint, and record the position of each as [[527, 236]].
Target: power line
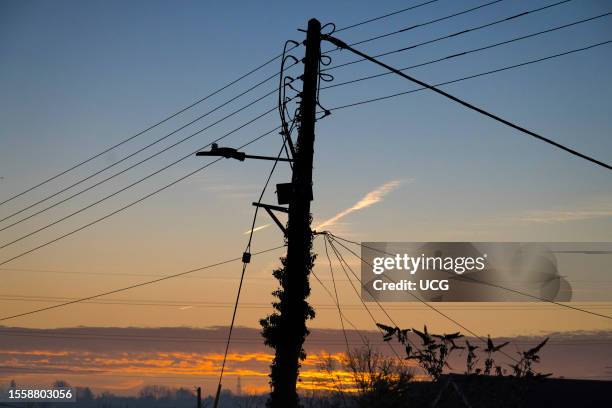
[[188, 340], [192, 303], [454, 34], [282, 108], [286, 133], [132, 203], [133, 274], [385, 15], [423, 301], [403, 30], [459, 80], [363, 339], [342, 261], [178, 113], [185, 109], [498, 71], [366, 101], [252, 103], [144, 131], [203, 340], [111, 336], [331, 271], [388, 73], [246, 258], [189, 107], [138, 151], [367, 309], [134, 286], [469, 77], [598, 282], [188, 155], [470, 106], [435, 309], [471, 279], [231, 327], [471, 51]]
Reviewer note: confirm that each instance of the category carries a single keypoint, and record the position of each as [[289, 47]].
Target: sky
[[122, 360], [78, 77]]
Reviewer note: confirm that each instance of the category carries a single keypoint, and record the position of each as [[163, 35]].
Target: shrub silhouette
[[490, 362], [376, 380], [524, 367], [471, 359], [435, 349]]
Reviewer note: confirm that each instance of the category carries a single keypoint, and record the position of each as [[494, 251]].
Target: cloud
[[125, 358], [368, 200], [226, 188], [257, 229], [554, 216], [121, 359]]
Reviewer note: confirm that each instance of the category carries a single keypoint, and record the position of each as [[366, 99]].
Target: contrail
[[369, 199], [257, 229]]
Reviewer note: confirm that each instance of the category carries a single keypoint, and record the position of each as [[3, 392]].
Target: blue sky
[[77, 77]]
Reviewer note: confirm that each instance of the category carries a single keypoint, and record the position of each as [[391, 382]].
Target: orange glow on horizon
[[150, 366]]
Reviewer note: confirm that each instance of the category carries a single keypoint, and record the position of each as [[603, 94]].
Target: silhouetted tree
[[156, 392], [84, 394], [379, 381], [184, 394]]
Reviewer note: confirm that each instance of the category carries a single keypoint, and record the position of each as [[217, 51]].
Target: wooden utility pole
[[286, 330]]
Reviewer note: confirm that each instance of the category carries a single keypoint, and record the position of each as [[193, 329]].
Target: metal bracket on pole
[[269, 209], [230, 153]]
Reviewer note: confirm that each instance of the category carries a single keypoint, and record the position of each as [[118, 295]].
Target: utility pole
[[286, 330], [199, 397]]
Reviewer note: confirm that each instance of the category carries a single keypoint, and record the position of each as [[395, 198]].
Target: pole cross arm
[[269, 209], [231, 153]]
